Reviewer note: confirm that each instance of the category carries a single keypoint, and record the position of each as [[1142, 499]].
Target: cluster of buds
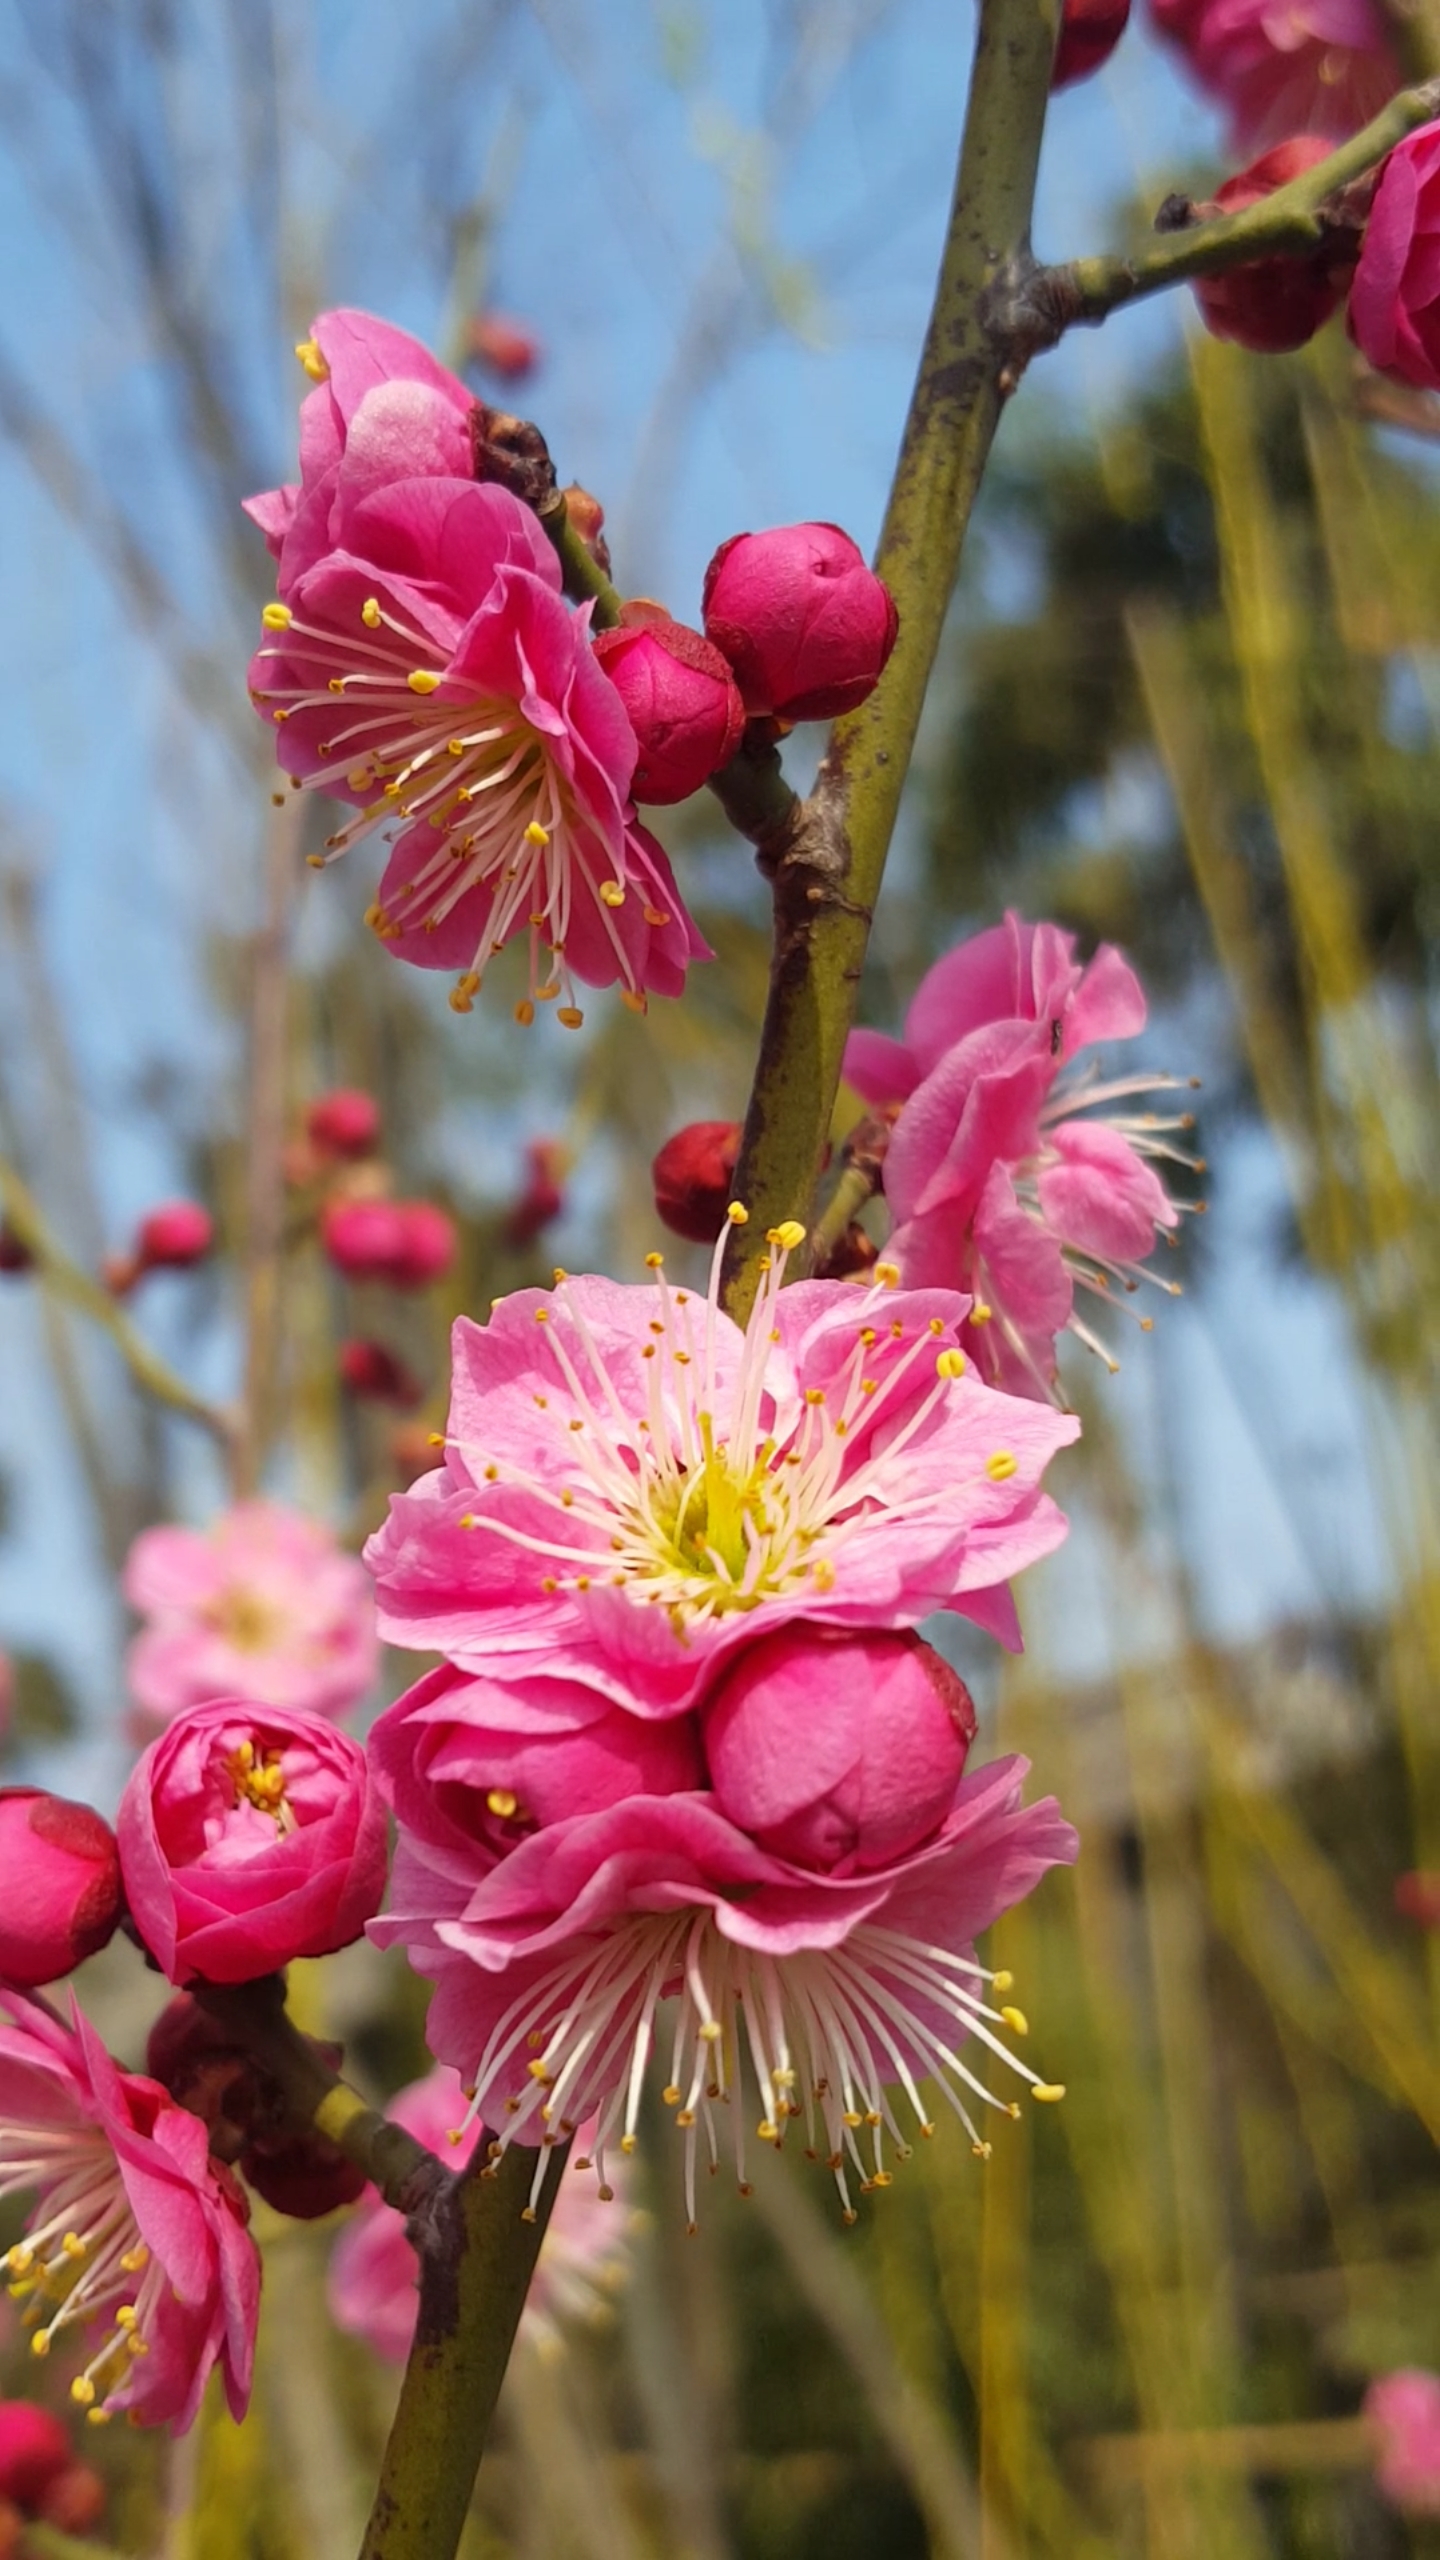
[[174, 1237]]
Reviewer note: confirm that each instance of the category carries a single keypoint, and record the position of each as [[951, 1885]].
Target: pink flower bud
[[250, 1836], [694, 1175], [1274, 304], [75, 2502], [806, 626], [376, 1375], [1394, 314], [174, 1236], [682, 703], [344, 1124], [504, 345], [35, 2450], [836, 1750], [362, 1237], [1089, 32], [426, 1245], [62, 1896]]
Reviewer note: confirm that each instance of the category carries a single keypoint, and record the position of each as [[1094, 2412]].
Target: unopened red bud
[[75, 2502], [62, 1895], [375, 1374], [193, 2056], [427, 1245], [1089, 32], [587, 519], [1274, 304], [305, 2177], [1417, 1897], [543, 1197], [506, 346], [35, 2450], [14, 1254], [683, 705], [174, 1236], [363, 1237], [345, 1123], [806, 626], [693, 1175]]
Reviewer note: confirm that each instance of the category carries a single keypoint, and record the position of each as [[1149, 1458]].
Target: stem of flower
[[58, 1273], [827, 855], [584, 580], [477, 2257]]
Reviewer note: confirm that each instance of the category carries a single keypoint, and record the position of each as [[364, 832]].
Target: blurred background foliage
[[1189, 702]]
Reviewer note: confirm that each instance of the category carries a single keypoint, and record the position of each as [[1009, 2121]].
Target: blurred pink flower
[[1283, 67], [551, 1966], [1404, 2410], [372, 2268], [134, 2229], [250, 1836], [999, 1177], [262, 1605], [632, 1486], [1395, 299]]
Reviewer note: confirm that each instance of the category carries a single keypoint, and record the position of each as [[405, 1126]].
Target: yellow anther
[[82, 2391], [101, 2417], [629, 2143], [570, 1015], [767, 2132], [539, 2070], [888, 1274], [634, 1002], [612, 893], [1002, 1981], [455, 2134], [710, 2032], [312, 360], [1001, 1466], [277, 617], [40, 2343], [654, 1261], [1016, 2021], [136, 2258], [1049, 2092], [822, 1574], [738, 1214], [464, 992], [315, 861], [788, 1235], [524, 1013], [656, 917], [505, 1806], [370, 613], [73, 2245], [435, 1439], [814, 1395], [981, 2150], [537, 835], [423, 680], [980, 1313], [950, 1364]]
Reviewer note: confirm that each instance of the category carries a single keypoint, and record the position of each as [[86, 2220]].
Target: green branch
[[827, 854], [67, 1281], [583, 578]]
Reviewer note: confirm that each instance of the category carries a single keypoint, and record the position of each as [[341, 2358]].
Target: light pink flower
[[999, 1177], [1395, 299], [134, 2231], [632, 1486], [1285, 66], [1404, 2409], [659, 1925], [263, 1605], [373, 2268], [250, 1836], [423, 664]]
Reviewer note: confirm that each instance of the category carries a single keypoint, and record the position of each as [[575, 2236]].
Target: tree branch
[[828, 854]]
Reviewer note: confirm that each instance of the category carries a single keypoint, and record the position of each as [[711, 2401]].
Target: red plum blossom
[[263, 1604], [805, 623], [250, 1836], [694, 1178], [62, 1899], [999, 1176], [1404, 2411], [1282, 67], [632, 1486], [1395, 299], [135, 2238], [1274, 304]]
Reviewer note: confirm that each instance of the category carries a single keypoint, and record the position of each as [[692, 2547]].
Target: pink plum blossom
[[632, 1486], [373, 2266], [659, 1925], [135, 2233], [250, 1836], [1395, 299], [1282, 67], [1404, 2410], [421, 663], [262, 1605], [1000, 1178]]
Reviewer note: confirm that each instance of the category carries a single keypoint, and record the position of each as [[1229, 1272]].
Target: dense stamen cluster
[[85, 2261]]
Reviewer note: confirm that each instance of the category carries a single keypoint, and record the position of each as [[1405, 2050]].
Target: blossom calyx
[[805, 624], [1274, 305], [682, 703], [694, 1178], [63, 1896], [840, 1752], [250, 1836]]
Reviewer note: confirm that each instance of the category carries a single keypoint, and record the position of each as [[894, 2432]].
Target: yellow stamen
[[277, 617], [312, 360], [423, 680]]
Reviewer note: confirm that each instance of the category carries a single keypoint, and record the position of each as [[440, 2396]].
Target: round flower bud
[[682, 704], [62, 1897], [304, 2178], [1394, 313], [75, 2502], [249, 1836], [362, 1237], [1089, 32], [376, 1375], [838, 1751], [503, 345], [174, 1236], [426, 1245], [345, 1123], [694, 1174], [35, 2450], [1273, 304], [806, 626]]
